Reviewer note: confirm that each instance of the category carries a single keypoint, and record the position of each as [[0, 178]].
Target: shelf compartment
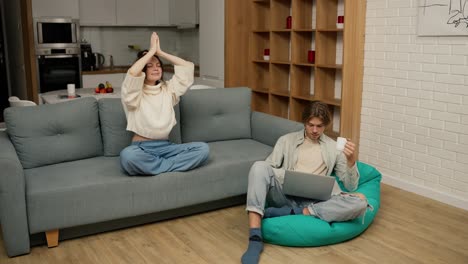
[[303, 41], [260, 102], [260, 79], [304, 14], [328, 85], [280, 46], [297, 106], [280, 10], [327, 13], [302, 82], [333, 130], [260, 14], [326, 43], [260, 42], [280, 78], [279, 105]]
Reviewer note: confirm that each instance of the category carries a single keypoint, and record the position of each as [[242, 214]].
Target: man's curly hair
[[317, 109]]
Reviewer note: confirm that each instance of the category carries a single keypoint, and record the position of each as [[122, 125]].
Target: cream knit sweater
[[150, 108]]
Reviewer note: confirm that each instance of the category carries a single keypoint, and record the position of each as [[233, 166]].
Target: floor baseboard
[[426, 192]]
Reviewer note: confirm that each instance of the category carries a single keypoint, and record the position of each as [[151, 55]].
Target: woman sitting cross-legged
[[149, 103]]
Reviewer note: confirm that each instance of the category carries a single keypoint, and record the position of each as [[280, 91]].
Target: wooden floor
[[408, 229]]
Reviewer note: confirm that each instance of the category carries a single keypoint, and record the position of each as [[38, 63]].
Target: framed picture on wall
[[443, 18]]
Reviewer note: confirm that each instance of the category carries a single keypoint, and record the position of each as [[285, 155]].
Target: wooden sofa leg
[[52, 238]]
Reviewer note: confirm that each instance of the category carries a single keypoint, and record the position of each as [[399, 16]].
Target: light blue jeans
[[158, 156], [264, 189]]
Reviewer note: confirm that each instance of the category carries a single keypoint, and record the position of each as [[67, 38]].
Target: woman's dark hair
[[316, 109], [141, 54]]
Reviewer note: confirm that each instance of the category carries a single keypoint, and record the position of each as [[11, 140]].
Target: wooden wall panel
[[237, 32]]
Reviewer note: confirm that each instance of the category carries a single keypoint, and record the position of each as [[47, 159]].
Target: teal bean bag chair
[[306, 231]]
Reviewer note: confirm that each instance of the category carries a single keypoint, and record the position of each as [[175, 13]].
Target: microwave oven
[[56, 32]]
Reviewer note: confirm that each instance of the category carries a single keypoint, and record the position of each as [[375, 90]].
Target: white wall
[[212, 43], [115, 40], [415, 104]]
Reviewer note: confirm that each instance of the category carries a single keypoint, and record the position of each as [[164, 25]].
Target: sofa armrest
[[13, 216], [268, 128]]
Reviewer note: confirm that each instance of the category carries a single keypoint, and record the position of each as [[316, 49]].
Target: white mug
[[340, 143], [71, 89]]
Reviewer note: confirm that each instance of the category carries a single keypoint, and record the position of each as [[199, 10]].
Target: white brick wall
[[415, 104]]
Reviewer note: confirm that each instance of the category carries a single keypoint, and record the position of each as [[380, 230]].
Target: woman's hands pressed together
[[155, 46]]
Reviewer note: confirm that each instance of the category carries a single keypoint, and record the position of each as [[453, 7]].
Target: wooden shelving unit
[[287, 82]]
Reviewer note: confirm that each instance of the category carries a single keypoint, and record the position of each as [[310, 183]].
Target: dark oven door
[[56, 71]]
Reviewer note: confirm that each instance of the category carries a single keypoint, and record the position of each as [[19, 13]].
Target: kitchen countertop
[[55, 96], [124, 69]]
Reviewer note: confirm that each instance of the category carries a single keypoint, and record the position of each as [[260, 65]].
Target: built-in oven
[[58, 52], [58, 68]]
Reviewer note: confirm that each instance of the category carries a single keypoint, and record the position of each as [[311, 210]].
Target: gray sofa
[[60, 165]]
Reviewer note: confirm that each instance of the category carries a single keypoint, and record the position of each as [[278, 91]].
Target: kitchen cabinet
[[93, 80], [97, 13], [135, 12], [55, 8], [212, 42], [161, 13], [125, 13], [184, 13]]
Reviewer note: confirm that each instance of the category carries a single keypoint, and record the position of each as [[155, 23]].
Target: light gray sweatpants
[[264, 188]]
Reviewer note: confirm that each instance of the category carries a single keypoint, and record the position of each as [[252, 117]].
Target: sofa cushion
[[95, 190], [53, 133], [225, 117], [114, 123]]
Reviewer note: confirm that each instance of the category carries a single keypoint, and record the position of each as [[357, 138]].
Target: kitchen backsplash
[[115, 40]]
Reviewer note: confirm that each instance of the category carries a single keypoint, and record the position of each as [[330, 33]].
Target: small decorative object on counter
[[340, 22], [111, 62], [311, 56], [266, 54], [71, 90], [289, 22], [134, 47], [107, 88]]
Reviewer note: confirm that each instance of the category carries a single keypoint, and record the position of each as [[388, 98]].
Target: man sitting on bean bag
[[309, 151]]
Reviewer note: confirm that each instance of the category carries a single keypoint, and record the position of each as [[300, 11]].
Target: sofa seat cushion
[[95, 190]]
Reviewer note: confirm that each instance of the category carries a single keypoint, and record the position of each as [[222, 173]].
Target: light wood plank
[[408, 229]]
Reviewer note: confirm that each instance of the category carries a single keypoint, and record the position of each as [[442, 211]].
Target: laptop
[[308, 185]]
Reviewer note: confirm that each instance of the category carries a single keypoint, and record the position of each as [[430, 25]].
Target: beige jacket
[[284, 157]]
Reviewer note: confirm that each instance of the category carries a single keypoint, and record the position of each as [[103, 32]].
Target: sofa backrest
[[268, 128], [54, 133], [114, 123], [215, 114]]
